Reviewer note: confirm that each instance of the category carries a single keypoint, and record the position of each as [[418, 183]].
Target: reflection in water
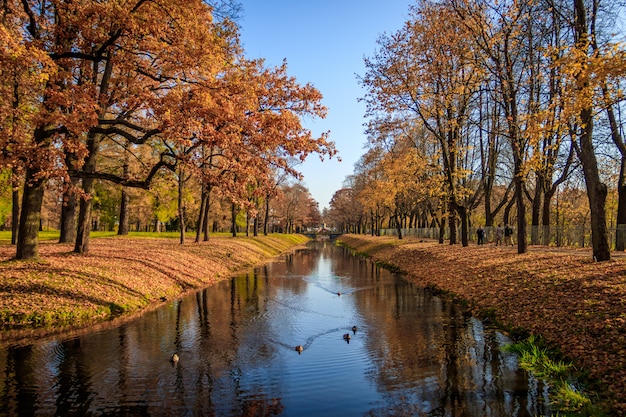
[[409, 353]]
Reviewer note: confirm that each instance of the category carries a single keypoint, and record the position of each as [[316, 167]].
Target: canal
[[372, 345]]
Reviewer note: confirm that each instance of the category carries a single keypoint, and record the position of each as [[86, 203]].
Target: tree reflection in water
[[413, 354]]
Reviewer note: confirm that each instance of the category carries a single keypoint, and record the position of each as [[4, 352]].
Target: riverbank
[[576, 305], [120, 276]]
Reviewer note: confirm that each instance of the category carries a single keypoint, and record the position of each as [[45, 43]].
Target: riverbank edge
[[495, 284], [120, 278]]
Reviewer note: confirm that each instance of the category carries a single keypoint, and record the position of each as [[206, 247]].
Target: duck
[[299, 348], [339, 293], [347, 337], [174, 358], [354, 329]]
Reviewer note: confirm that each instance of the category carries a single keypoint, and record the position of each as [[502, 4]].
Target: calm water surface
[[412, 354]]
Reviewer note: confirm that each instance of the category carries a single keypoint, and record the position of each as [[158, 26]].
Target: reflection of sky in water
[[413, 354]]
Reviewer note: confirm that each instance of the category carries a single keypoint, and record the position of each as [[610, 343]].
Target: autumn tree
[[296, 209], [368, 192], [610, 71], [26, 70], [501, 87], [345, 212], [489, 143], [264, 132], [498, 31], [426, 71], [111, 66], [583, 65]]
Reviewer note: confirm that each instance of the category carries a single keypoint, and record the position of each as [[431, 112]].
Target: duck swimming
[[299, 348], [174, 358], [354, 329], [347, 337]]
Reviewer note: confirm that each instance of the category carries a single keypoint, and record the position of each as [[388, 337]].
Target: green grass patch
[[53, 235], [566, 395], [56, 318], [63, 317], [5, 236], [388, 266]]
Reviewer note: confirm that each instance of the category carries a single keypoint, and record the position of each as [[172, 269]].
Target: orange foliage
[[159, 75]]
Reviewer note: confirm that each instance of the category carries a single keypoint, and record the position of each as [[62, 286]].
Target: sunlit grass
[[52, 235], [537, 359], [571, 400], [5, 236]]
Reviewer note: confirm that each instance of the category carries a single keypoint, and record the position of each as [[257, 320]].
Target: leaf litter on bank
[[118, 275], [575, 304]]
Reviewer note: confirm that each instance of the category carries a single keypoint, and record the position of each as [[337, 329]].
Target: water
[[412, 354]]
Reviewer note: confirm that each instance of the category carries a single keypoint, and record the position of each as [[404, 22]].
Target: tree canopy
[[89, 88], [494, 97]]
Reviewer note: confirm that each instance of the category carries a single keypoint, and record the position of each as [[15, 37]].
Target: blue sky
[[324, 43]]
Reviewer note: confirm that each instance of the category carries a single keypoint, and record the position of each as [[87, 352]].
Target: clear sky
[[324, 43]]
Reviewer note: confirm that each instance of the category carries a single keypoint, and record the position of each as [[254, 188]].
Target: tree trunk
[[122, 229], [93, 143], [536, 209], [207, 211], [256, 227], [68, 215], [124, 213], [506, 215], [596, 190], [398, 225], [30, 217], [181, 205], [255, 223], [201, 216], [462, 210], [522, 245], [489, 218], [620, 233], [15, 209], [84, 218], [545, 216], [442, 230], [86, 203], [233, 219], [267, 215], [452, 221]]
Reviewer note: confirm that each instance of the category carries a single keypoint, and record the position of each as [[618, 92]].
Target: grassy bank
[[120, 275], [577, 306]]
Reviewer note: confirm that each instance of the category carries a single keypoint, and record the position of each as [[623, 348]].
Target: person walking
[[499, 234], [508, 235], [480, 234]]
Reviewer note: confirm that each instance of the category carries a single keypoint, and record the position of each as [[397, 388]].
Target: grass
[[53, 235], [537, 359]]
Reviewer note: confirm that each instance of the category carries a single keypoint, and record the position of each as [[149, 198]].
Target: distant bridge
[[322, 235]]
